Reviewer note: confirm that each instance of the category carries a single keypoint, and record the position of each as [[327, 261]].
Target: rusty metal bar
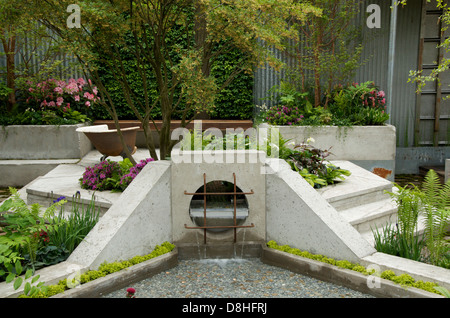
[[204, 207], [235, 194], [219, 193], [219, 226]]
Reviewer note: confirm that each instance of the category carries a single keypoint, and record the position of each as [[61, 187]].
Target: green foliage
[[433, 203], [311, 163], [69, 230], [404, 280], [22, 230], [235, 101], [42, 117], [103, 270], [36, 241], [308, 161], [357, 104]]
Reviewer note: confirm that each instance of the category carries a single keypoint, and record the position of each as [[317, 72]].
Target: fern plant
[[436, 211], [432, 203], [24, 223]]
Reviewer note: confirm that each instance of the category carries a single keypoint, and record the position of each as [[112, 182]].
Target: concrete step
[[372, 215], [360, 188], [368, 234], [17, 173]]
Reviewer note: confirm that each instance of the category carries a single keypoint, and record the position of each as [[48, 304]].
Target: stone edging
[[340, 276], [123, 278]]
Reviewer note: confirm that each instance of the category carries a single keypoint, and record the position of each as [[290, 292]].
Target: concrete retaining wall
[[28, 142], [299, 216], [133, 225], [188, 168], [370, 147]]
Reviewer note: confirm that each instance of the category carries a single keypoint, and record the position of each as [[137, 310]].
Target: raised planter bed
[[370, 147], [140, 139], [30, 151], [42, 142]]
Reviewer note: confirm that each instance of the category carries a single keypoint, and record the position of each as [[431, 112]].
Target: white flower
[[310, 140]]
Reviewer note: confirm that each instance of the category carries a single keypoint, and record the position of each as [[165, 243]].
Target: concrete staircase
[[362, 200]]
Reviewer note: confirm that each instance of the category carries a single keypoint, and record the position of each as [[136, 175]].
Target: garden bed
[[370, 147], [205, 124]]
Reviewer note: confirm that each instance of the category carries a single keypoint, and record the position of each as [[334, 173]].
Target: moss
[[403, 279], [345, 264], [388, 274], [361, 269], [103, 270]]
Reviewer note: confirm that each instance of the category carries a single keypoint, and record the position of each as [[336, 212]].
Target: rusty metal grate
[[205, 194]]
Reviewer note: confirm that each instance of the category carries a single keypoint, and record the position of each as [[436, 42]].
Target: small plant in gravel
[[131, 292]]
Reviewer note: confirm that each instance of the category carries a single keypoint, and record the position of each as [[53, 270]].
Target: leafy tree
[[327, 51], [181, 72]]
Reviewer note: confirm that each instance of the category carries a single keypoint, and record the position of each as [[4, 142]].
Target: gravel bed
[[234, 278]]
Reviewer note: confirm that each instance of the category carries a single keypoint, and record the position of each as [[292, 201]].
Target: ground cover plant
[[111, 175], [404, 280], [429, 204], [34, 238], [104, 269]]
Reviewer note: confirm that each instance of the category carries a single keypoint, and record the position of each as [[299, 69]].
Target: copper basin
[[107, 141]]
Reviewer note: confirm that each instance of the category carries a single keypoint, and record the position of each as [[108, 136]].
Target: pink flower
[[130, 292], [381, 94], [31, 89], [81, 81], [88, 103], [52, 104], [77, 98], [59, 90], [59, 101]]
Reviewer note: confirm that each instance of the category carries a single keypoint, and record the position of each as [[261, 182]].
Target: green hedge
[[234, 102]]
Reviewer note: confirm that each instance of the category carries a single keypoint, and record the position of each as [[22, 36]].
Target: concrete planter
[[370, 147], [30, 151], [42, 142]]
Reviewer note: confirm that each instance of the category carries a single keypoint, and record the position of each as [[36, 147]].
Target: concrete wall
[[188, 168], [408, 160], [134, 225], [30, 142], [370, 147], [297, 215]]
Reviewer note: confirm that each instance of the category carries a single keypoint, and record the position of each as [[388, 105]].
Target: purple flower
[[59, 199]]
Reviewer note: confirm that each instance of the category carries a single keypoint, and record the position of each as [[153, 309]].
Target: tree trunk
[[9, 47], [201, 43]]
